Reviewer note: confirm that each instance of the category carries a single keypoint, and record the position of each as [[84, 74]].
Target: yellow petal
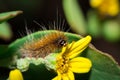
[[71, 75], [84, 40], [66, 49], [76, 51], [79, 46], [96, 3], [63, 50], [15, 75], [80, 65], [65, 78], [68, 76], [57, 78], [70, 45]]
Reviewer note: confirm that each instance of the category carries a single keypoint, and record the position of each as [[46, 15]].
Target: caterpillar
[[44, 46]]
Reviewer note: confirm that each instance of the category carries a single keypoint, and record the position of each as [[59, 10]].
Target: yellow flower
[[106, 7], [67, 62], [15, 75]]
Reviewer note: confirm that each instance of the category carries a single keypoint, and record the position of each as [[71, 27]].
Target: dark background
[[45, 12]]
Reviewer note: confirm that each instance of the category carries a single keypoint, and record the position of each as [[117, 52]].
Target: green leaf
[[74, 16], [94, 27], [104, 67], [8, 15], [5, 31]]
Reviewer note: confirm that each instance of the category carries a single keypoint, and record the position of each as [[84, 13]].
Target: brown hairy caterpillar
[[45, 45]]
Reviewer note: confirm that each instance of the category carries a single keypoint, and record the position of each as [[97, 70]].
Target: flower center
[[62, 64]]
